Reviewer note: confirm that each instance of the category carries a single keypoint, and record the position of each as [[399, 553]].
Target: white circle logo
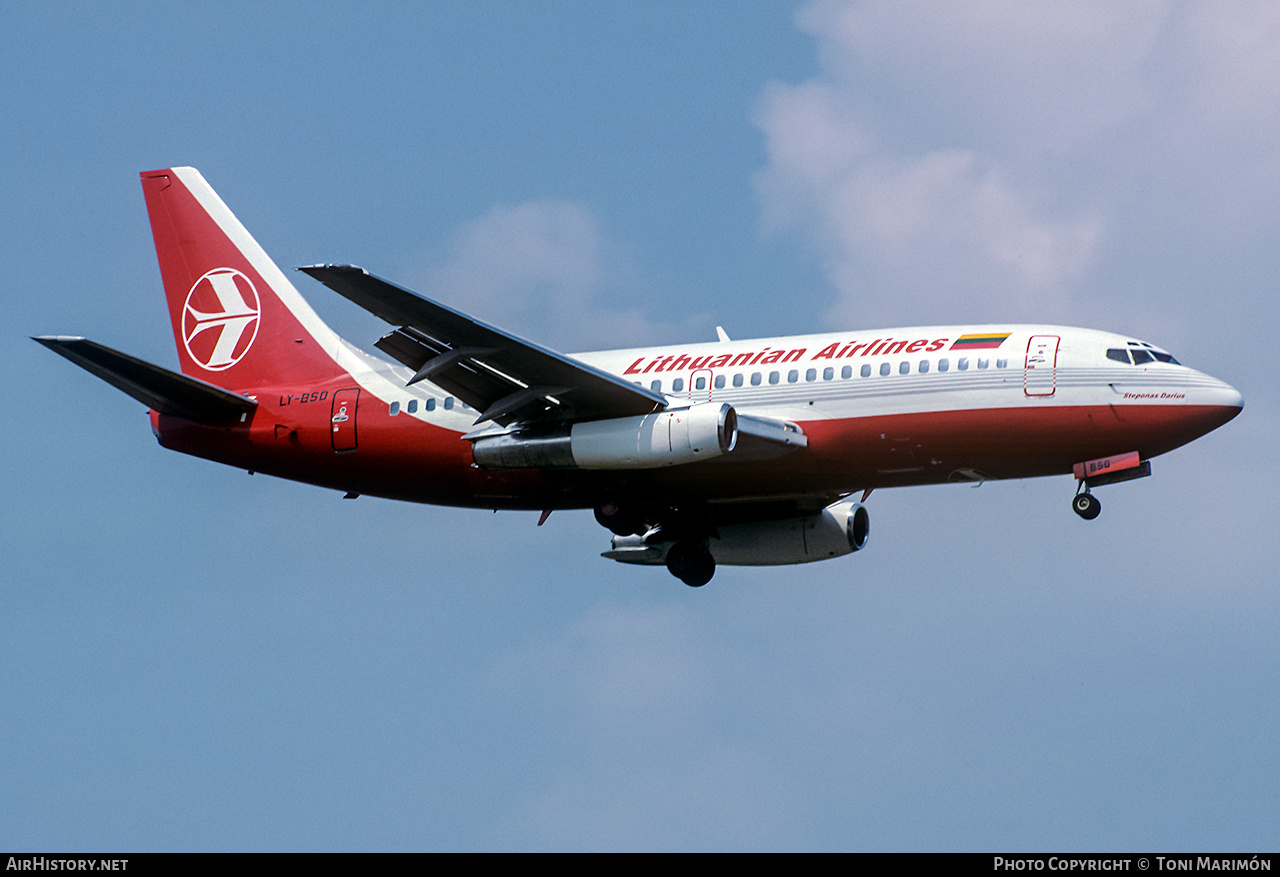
[[220, 319]]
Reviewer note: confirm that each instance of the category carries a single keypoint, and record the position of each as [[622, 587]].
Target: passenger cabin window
[[719, 382], [677, 385], [700, 384], [963, 363], [983, 363], [656, 386], [737, 379], [847, 372], [755, 379], [1002, 363], [793, 376], [448, 403], [412, 407], [904, 368], [866, 371], [924, 366], [431, 404], [774, 377], [943, 365], [395, 408], [828, 373], [885, 368]]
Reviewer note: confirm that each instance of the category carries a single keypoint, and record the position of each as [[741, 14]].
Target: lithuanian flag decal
[[979, 342]]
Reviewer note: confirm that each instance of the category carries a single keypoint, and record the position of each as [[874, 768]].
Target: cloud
[[545, 270], [948, 228], [1216, 129], [1049, 75], [992, 160]]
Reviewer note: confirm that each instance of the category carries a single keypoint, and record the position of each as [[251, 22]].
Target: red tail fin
[[238, 322]]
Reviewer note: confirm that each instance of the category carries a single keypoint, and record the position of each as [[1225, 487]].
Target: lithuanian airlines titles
[[731, 452]]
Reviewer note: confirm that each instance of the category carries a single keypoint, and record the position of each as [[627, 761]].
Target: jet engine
[[839, 529], [651, 441]]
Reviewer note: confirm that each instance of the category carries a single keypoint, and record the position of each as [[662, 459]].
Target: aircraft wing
[[504, 377], [158, 388]]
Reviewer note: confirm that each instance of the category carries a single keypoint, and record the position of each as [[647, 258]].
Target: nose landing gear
[[1106, 470], [1085, 504]]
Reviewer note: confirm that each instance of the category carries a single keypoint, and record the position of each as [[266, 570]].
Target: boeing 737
[[721, 452]]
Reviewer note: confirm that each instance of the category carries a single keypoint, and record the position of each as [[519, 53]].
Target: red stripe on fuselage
[[900, 450], [402, 457], [399, 457]]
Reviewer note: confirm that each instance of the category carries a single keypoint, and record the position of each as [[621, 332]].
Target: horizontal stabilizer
[[158, 388]]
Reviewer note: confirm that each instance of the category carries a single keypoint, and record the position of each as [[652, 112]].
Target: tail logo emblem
[[220, 319]]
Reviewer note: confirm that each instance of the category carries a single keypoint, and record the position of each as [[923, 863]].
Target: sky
[[196, 659]]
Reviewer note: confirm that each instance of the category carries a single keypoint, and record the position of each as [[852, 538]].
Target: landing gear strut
[[691, 563]]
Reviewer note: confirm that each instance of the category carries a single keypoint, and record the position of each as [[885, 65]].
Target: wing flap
[[428, 358], [158, 388], [484, 365]]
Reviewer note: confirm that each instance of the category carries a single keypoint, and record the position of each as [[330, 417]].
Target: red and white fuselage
[[1037, 402], [675, 445]]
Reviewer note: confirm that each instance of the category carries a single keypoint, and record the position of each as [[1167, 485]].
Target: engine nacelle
[[667, 438], [651, 441], [839, 529]]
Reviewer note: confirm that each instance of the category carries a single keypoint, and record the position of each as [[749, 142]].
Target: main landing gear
[[691, 562], [687, 557]]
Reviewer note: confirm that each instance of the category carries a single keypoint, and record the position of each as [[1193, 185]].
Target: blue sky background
[[195, 659]]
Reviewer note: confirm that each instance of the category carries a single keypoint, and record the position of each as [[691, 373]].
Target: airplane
[[747, 452]]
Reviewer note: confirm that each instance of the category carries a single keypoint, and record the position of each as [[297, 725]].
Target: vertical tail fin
[[237, 320]]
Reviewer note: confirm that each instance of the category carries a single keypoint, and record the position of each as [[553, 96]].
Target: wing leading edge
[[501, 375]]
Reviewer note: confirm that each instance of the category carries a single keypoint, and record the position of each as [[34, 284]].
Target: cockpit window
[[1139, 353]]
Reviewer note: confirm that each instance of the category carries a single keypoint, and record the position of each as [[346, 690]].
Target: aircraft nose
[[1228, 402], [1228, 397]]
